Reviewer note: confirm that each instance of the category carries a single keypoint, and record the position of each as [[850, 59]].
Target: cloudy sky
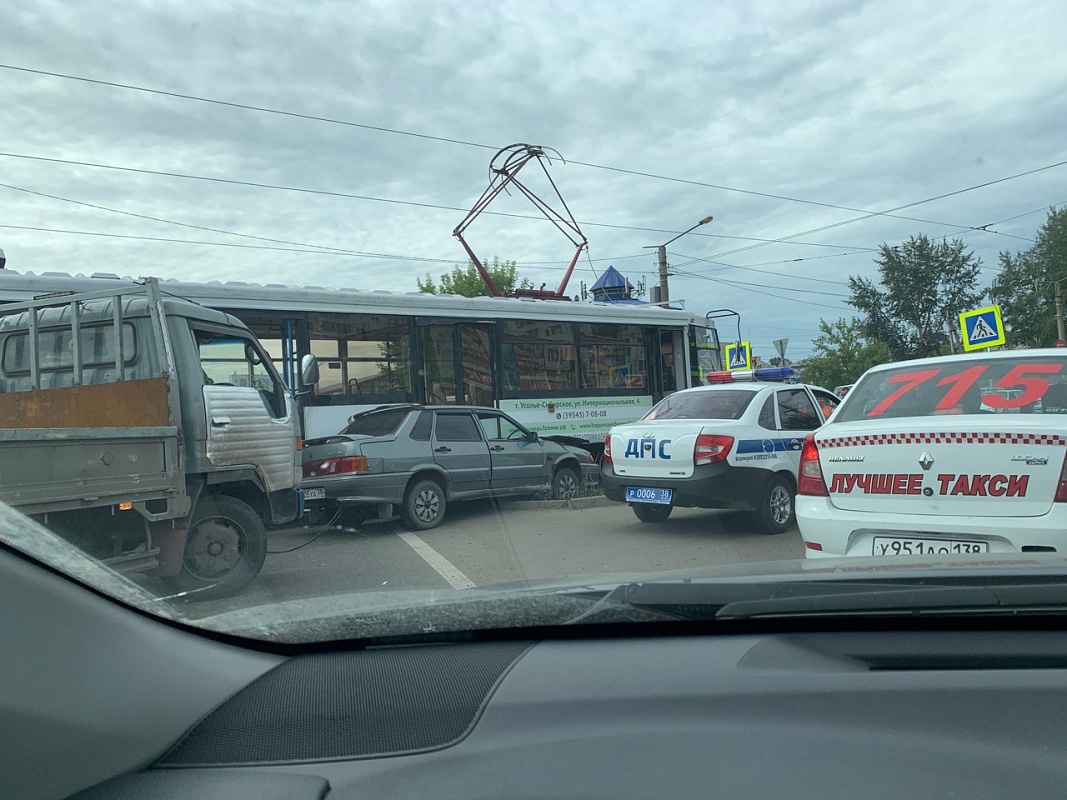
[[789, 122]]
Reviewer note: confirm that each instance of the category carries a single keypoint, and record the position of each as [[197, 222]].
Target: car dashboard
[[101, 702]]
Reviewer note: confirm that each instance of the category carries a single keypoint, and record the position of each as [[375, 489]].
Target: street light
[[664, 294]]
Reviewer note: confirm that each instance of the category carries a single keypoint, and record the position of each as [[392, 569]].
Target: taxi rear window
[[719, 404], [975, 385]]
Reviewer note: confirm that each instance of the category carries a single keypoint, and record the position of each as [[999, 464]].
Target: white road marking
[[445, 568]]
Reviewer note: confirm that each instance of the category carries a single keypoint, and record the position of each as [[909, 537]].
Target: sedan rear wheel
[[424, 505], [775, 513]]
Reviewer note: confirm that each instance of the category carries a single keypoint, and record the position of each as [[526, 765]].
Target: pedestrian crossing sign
[[981, 328], [738, 355]]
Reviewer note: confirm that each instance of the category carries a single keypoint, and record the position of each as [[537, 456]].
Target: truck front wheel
[[224, 551]]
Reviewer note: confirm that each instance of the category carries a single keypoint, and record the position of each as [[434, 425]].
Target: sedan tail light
[[607, 449], [1061, 487], [711, 448], [811, 481], [335, 466]]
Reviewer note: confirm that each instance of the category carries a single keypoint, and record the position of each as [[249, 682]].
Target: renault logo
[[926, 460]]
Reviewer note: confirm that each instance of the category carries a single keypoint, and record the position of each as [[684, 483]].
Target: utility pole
[[665, 296], [661, 250], [1059, 311], [953, 346]]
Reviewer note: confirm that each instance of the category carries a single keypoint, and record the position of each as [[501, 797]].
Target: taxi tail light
[[1061, 487], [711, 448], [335, 466], [811, 481], [607, 449]]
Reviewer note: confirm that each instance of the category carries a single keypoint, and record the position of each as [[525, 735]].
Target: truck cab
[[152, 432]]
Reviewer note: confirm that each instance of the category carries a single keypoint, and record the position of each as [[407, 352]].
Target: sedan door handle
[[442, 449], [795, 444], [497, 448]]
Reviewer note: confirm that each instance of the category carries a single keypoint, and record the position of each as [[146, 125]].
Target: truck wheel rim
[[427, 505], [216, 547], [781, 505]]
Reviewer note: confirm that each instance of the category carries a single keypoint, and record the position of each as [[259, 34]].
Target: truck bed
[[85, 446]]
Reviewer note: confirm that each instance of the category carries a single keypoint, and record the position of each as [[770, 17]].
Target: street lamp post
[[664, 293]]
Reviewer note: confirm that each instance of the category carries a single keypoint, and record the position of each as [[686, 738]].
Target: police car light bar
[[742, 375]]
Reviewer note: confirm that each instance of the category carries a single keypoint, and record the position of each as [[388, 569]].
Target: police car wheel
[[652, 513], [776, 509]]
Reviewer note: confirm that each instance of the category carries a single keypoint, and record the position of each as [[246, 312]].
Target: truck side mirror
[[309, 372]]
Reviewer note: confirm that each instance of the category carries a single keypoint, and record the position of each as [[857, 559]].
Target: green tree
[[922, 284], [468, 283], [1024, 286], [841, 353]]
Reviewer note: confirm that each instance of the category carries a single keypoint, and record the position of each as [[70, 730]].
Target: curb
[[577, 503]]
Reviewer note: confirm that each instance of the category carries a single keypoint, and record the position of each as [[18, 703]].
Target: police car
[[943, 456], [735, 444]]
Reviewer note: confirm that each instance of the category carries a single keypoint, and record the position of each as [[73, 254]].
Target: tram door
[[457, 364]]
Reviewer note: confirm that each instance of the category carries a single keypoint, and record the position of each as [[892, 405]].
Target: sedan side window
[[420, 431], [497, 426], [827, 402], [490, 425], [797, 412], [457, 428], [766, 415]]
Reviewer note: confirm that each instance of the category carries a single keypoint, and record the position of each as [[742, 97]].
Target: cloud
[[864, 105]]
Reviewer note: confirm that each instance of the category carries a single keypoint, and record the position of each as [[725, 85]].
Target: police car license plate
[[314, 493], [893, 546], [638, 494]]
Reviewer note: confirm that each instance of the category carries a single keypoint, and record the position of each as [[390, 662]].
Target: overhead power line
[[763, 285], [754, 267], [344, 253], [764, 293], [461, 142], [351, 196], [314, 252], [245, 106], [326, 248], [831, 226]]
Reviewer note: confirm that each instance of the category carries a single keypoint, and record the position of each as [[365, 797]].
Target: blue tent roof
[[611, 279]]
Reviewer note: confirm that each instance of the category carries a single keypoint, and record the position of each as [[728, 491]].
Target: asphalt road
[[488, 542]]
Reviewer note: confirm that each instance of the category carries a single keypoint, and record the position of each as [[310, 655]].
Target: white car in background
[[942, 456]]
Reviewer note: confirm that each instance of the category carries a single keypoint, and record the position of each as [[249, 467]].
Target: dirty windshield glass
[[338, 320]]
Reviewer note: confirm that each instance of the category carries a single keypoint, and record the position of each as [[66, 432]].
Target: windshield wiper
[[731, 601]]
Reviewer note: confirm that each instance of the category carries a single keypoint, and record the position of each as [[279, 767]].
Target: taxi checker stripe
[[943, 438]]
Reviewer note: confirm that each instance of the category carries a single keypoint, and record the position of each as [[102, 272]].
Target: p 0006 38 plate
[[641, 494]]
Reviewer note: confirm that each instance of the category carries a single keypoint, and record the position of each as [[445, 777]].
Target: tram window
[[613, 357], [539, 356], [362, 354]]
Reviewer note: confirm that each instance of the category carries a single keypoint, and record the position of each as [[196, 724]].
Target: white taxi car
[[735, 445], [942, 456]]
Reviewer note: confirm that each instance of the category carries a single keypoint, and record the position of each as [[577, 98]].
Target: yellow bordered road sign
[[981, 328], [738, 357]]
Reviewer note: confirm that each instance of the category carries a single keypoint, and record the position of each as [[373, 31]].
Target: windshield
[[724, 404], [329, 321]]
